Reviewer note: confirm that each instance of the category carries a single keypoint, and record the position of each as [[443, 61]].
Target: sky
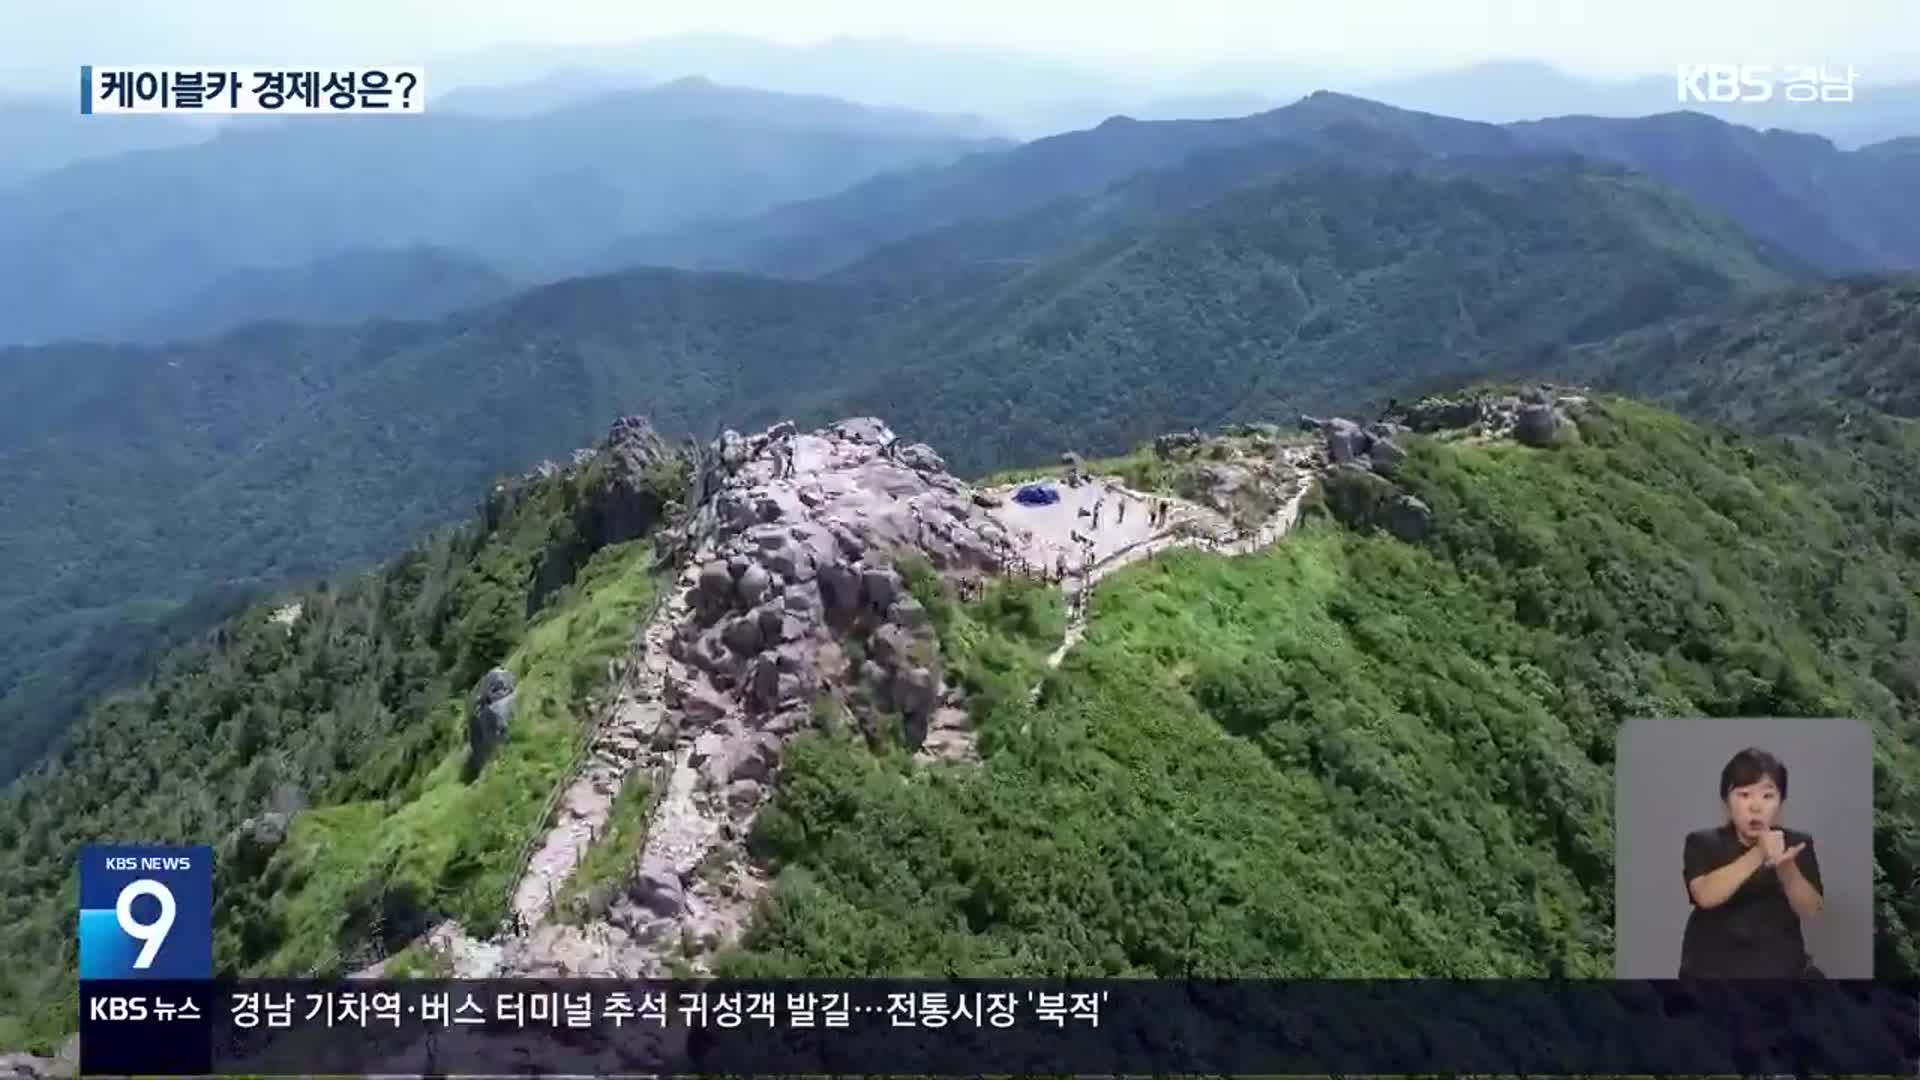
[[42, 42]]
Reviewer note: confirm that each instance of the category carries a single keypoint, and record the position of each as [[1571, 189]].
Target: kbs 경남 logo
[[1723, 84], [146, 912]]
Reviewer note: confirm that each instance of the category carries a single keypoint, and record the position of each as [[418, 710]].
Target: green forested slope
[[1354, 756], [146, 476], [1786, 362], [1323, 289], [1347, 755], [354, 715]]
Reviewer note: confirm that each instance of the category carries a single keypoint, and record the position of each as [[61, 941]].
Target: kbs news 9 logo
[[146, 912]]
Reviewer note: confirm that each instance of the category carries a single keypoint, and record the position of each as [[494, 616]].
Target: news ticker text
[[983, 1027]]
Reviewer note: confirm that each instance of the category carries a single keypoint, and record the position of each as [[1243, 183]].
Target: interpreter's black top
[[1755, 934]]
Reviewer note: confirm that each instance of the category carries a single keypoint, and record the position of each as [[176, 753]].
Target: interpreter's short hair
[[1750, 766]]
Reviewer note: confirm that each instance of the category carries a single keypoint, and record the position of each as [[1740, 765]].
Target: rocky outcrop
[[26, 1067], [1444, 413], [1359, 498], [626, 499], [1177, 442], [1345, 441], [1376, 446], [628, 484], [491, 717], [1538, 424], [257, 838], [794, 604], [1538, 416]]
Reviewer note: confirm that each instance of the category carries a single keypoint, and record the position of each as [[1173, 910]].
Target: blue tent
[[1036, 495]]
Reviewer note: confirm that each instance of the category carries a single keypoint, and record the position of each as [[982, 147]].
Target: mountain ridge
[[347, 441], [98, 244]]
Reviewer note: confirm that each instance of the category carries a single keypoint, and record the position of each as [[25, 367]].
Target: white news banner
[[240, 91]]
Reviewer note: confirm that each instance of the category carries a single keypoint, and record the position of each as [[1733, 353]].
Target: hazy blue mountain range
[[1503, 91], [1033, 95], [154, 476], [553, 90], [101, 244], [42, 133], [1024, 95], [1837, 210], [407, 283], [1842, 210], [823, 234]]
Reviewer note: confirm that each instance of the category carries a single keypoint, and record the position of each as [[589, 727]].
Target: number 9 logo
[[154, 934]]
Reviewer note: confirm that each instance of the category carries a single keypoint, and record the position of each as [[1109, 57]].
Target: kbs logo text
[[1723, 84]]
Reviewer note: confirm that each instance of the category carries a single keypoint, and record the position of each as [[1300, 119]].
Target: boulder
[[873, 678], [708, 746], [802, 602], [920, 458], [743, 634], [848, 542], [840, 587], [261, 836], [626, 502], [1408, 518], [890, 644], [755, 757], [1385, 455], [492, 715], [1345, 441], [753, 584], [1362, 499], [743, 795], [986, 499], [657, 889], [786, 721], [1439, 414], [878, 586], [864, 429], [1536, 425], [25, 1067], [699, 701], [910, 613], [1174, 442], [715, 580], [710, 652], [792, 562], [763, 681], [915, 692]]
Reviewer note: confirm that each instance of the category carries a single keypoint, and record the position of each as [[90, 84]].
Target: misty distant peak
[[688, 84]]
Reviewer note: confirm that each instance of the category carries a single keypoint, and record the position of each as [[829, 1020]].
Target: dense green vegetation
[[143, 477], [1353, 756], [1844, 211], [350, 287], [353, 713], [1323, 289], [1797, 362], [1834, 209], [1344, 756]]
